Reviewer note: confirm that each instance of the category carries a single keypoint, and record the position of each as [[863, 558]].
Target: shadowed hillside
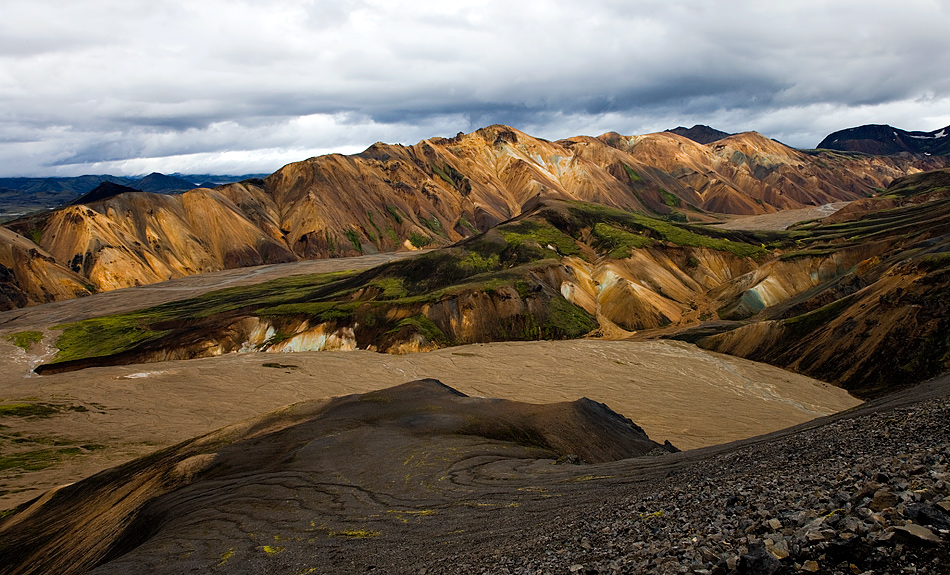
[[880, 317], [353, 467]]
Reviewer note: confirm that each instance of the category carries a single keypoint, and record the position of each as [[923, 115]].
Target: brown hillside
[[434, 193], [30, 275], [359, 455]]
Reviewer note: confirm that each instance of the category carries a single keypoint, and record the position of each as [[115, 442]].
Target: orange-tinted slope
[[436, 192]]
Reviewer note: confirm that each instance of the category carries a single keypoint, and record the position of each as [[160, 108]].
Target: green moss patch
[[418, 240], [394, 213], [24, 339], [354, 238], [681, 235], [423, 326], [669, 199], [390, 288], [103, 336], [530, 236], [631, 173], [618, 243]]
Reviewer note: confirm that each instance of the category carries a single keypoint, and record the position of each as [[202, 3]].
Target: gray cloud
[[129, 87]]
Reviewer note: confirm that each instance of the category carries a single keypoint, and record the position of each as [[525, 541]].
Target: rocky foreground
[[859, 495]]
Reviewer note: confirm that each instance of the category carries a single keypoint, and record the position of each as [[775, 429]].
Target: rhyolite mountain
[[700, 133], [437, 192], [881, 139], [837, 299]]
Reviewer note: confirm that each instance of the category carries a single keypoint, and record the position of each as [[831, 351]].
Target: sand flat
[[674, 390]]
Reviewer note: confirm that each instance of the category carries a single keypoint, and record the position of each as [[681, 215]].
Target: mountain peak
[[160, 183], [103, 191], [700, 133], [882, 139]]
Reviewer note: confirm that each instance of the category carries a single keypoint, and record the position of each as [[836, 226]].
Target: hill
[[700, 133], [385, 454], [160, 183], [103, 191], [886, 140], [419, 477], [829, 299], [437, 192]]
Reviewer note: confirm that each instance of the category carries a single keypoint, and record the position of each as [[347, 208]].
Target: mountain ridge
[[882, 139], [827, 298], [700, 133], [435, 193]]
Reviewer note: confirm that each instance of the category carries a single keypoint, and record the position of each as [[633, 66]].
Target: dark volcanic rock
[[800, 502], [886, 140], [103, 191], [700, 133]]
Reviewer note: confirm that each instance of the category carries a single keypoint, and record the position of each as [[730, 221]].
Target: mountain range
[[23, 195], [434, 193]]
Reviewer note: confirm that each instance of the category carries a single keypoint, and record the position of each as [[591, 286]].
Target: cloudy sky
[[130, 87]]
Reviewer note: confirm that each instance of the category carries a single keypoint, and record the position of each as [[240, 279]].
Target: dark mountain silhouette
[[700, 133], [884, 140], [162, 184], [103, 191]]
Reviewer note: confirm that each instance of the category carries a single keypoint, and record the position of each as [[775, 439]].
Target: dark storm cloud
[[132, 87]]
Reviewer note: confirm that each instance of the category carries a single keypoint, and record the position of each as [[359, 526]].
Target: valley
[[466, 347]]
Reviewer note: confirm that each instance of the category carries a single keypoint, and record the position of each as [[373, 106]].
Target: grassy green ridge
[[366, 298], [110, 335], [739, 244], [926, 182], [387, 301]]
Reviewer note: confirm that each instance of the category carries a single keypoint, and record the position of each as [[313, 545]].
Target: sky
[[129, 87]]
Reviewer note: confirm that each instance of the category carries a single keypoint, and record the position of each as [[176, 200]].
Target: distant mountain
[[19, 195], [70, 185], [700, 133], [213, 180], [162, 184], [23, 195], [103, 191], [884, 140]]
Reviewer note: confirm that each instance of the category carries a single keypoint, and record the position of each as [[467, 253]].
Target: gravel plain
[[860, 493]]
